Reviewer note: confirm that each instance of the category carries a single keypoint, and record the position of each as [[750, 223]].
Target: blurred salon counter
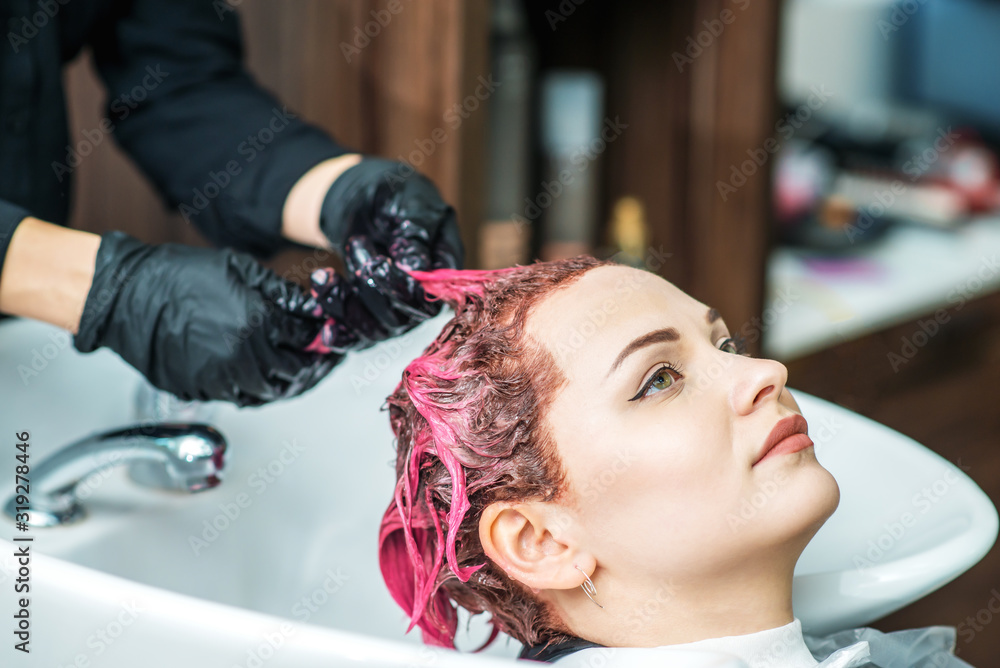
[[814, 302]]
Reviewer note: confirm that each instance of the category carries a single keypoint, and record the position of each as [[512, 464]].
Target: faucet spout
[[179, 457]]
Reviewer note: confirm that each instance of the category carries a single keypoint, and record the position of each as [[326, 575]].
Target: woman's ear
[[529, 543]]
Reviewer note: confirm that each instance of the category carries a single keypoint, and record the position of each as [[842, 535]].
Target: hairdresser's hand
[[202, 324], [379, 301], [399, 215]]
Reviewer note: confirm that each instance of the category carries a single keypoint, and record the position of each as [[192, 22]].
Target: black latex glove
[[385, 217], [380, 302], [203, 324]]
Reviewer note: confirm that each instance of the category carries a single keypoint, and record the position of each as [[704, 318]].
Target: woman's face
[[659, 426]]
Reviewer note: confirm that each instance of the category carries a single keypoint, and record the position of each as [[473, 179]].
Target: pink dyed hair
[[467, 417]]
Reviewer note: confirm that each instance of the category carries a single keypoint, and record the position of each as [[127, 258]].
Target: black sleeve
[[11, 216], [217, 146]]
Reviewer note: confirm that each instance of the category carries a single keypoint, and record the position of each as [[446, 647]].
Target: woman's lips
[[788, 436]]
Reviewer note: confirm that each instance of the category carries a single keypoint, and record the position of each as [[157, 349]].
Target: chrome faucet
[[179, 457]]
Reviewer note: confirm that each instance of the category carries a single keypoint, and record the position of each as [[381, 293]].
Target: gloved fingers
[[270, 368], [410, 247], [278, 292], [349, 324], [334, 337], [419, 214], [318, 370], [394, 297], [327, 288], [296, 333], [335, 302], [289, 297], [398, 210], [292, 372]]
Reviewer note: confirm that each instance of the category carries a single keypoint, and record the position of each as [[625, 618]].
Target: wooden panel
[[397, 90], [693, 113], [650, 161], [733, 108]]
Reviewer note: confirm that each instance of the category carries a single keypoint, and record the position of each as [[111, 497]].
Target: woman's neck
[[671, 612]]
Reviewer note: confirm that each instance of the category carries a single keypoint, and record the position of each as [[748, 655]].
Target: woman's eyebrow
[[656, 336], [667, 334]]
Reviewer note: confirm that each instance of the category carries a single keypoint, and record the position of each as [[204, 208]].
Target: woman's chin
[[821, 501]]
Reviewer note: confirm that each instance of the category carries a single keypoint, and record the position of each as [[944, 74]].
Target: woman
[[574, 445]]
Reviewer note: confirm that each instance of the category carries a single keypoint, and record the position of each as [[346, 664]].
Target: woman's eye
[[730, 345], [663, 379]]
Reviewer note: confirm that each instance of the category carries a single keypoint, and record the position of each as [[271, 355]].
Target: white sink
[[293, 579]]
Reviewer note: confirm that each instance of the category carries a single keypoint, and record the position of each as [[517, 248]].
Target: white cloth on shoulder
[[781, 647]]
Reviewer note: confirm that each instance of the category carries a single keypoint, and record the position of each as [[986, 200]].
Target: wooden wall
[[692, 119], [395, 91]]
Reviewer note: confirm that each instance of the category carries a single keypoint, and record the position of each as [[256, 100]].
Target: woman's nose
[[759, 382]]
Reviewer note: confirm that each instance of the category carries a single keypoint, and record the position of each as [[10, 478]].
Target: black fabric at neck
[[550, 653]]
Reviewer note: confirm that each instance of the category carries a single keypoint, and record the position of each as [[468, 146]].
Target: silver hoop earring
[[588, 587]]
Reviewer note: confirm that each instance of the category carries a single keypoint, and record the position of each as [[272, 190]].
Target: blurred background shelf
[[912, 273]]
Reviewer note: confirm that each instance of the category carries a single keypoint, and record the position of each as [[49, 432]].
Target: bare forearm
[[47, 273], [300, 216]]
